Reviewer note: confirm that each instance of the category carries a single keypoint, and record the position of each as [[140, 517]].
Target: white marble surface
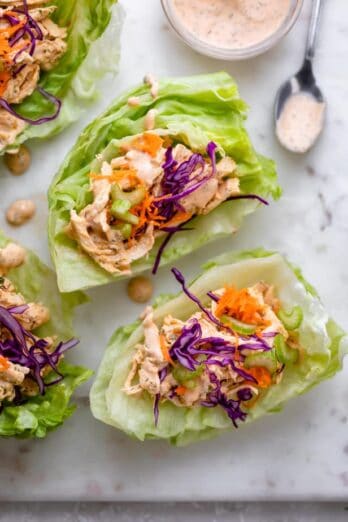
[[300, 454]]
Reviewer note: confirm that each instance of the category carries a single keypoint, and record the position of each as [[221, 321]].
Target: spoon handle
[[313, 29]]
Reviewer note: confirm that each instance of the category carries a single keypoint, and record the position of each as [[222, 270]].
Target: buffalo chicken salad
[[35, 333], [167, 168], [248, 334], [52, 52], [30, 43], [151, 190], [226, 354]]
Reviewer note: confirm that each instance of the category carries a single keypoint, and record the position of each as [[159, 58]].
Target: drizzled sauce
[[232, 24]]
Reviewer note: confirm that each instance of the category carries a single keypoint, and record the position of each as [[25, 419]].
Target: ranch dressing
[[232, 24], [300, 122]]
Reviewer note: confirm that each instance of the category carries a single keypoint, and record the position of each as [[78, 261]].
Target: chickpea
[[140, 289], [20, 211], [12, 255], [19, 162]]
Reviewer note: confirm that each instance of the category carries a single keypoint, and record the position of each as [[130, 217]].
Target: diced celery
[[264, 359], [293, 319], [238, 326], [285, 354]]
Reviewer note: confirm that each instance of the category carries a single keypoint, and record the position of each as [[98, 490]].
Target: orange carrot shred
[[262, 375], [148, 142], [241, 305], [165, 351], [5, 77], [180, 217], [180, 390], [4, 363]]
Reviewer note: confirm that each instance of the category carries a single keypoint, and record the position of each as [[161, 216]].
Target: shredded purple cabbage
[[5, 105], [162, 375], [218, 398], [170, 233], [213, 297], [192, 351], [177, 183], [33, 30], [177, 180], [181, 280], [249, 196], [245, 394], [35, 357]]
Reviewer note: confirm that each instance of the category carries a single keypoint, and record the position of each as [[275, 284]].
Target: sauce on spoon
[[300, 122]]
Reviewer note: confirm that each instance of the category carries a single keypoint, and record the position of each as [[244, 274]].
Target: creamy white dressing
[[150, 120], [300, 122], [133, 101], [232, 24], [152, 82]]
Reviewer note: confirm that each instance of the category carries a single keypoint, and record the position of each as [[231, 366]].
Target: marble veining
[[300, 454]]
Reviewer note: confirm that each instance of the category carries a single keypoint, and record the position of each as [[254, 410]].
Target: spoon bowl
[[300, 105], [302, 82]]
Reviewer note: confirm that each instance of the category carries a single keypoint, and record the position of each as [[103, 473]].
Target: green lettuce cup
[[299, 348], [196, 113], [86, 38], [25, 410]]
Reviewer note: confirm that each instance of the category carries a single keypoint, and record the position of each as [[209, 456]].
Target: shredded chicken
[[25, 69], [265, 295], [10, 127], [149, 359], [35, 315], [13, 376], [23, 84], [98, 232], [48, 52]]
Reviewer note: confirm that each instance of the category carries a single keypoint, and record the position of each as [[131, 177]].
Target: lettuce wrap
[[199, 113], [90, 49], [318, 345], [37, 414]]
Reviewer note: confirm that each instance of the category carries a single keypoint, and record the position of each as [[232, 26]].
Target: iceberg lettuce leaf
[[324, 345], [195, 110], [93, 50], [41, 414]]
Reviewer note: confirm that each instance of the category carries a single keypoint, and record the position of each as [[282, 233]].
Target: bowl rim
[[223, 53]]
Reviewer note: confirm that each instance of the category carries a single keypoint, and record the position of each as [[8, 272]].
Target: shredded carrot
[[180, 217], [148, 142], [262, 375], [237, 355], [5, 35], [4, 363], [5, 77], [7, 52], [180, 390], [251, 403], [241, 305], [147, 213], [165, 351], [118, 175]]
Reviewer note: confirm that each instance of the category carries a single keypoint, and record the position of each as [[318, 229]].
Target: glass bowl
[[224, 53]]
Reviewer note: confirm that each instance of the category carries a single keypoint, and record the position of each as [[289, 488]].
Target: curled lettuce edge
[[93, 51], [324, 343], [42, 414], [196, 109]]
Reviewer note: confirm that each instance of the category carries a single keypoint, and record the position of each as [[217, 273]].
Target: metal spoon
[[290, 126]]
